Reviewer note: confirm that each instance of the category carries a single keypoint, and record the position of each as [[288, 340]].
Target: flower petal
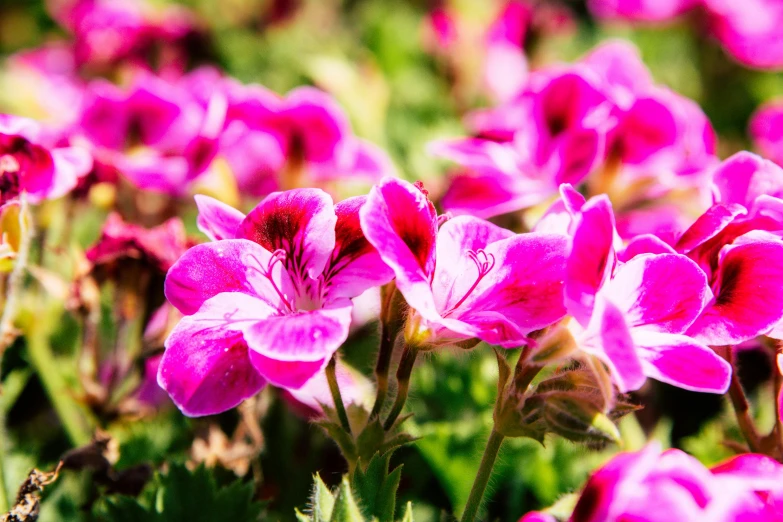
[[304, 337], [355, 265], [708, 226], [230, 265], [301, 223], [205, 368], [592, 257], [644, 244], [216, 219], [400, 221], [747, 298], [659, 293], [682, 362], [745, 176]]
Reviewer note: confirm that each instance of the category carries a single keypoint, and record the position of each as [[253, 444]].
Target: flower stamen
[[484, 264]]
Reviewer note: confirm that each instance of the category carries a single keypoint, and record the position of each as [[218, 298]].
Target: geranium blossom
[[468, 279], [654, 486], [29, 165], [634, 315], [268, 301]]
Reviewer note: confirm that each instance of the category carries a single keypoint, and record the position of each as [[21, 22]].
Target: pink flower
[[634, 315], [355, 388], [28, 165], [737, 244], [641, 10], [470, 279], [268, 300], [748, 31], [655, 486], [766, 130]]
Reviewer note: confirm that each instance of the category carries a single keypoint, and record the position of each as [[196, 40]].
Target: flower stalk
[[334, 388], [483, 475], [391, 322], [741, 405], [16, 278], [407, 361]]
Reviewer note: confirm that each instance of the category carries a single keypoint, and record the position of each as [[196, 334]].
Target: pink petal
[[205, 368], [355, 388], [592, 257], [489, 194], [620, 65], [370, 162], [608, 336], [659, 293], [216, 219], [747, 292], [682, 362], [709, 225], [289, 350], [645, 129], [744, 177], [578, 153], [317, 121], [301, 223], [256, 157], [70, 165], [231, 265], [355, 265], [400, 221], [644, 244], [521, 293]]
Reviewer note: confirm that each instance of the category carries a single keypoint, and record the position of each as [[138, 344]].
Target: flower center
[[254, 264], [8, 165], [484, 264]]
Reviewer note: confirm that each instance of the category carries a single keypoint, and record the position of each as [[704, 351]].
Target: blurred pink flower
[[655, 486], [268, 300], [641, 10], [29, 165], [766, 130], [634, 315], [470, 279]]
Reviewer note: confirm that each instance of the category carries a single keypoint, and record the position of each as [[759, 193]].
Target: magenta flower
[[355, 388], [268, 301], [470, 279], [28, 165], [766, 129], [748, 31], [641, 10], [634, 316], [654, 486], [737, 244]]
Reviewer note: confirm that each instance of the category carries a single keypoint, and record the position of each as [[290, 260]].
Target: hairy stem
[[482, 477], [334, 387], [4, 500], [391, 322], [407, 361], [741, 405]]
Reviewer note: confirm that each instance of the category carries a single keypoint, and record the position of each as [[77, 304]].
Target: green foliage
[[377, 487], [181, 495]]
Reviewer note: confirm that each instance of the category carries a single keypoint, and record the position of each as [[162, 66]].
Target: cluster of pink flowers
[[748, 31], [654, 486]]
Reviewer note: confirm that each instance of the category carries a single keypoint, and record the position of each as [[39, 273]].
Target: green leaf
[[322, 501], [408, 517], [376, 488], [186, 496], [386, 500], [345, 507]]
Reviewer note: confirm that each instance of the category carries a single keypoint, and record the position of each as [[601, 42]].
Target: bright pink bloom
[[766, 129], [355, 388], [634, 316], [28, 165], [470, 279], [640, 10], [268, 301], [737, 244], [749, 31], [655, 486]]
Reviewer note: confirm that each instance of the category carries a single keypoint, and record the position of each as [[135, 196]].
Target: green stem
[[5, 505], [407, 361], [391, 322], [482, 477], [45, 364], [16, 278], [741, 405], [334, 387]]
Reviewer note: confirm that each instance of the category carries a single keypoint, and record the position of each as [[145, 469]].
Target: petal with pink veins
[[683, 362], [355, 265], [305, 340], [399, 220], [299, 222], [206, 368], [231, 265], [216, 219]]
